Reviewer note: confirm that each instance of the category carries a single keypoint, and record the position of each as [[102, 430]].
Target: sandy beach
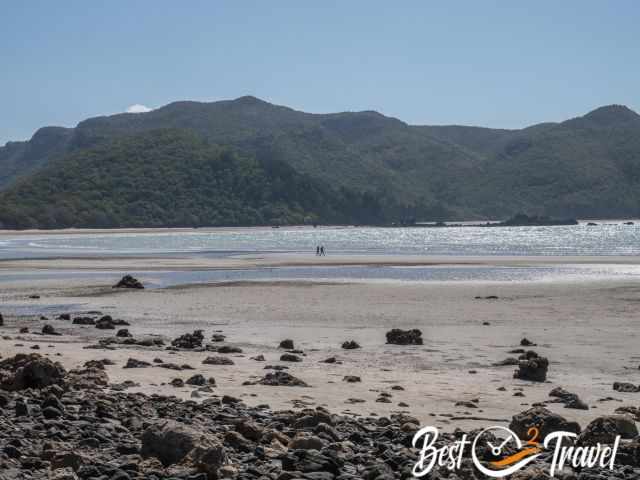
[[587, 330]]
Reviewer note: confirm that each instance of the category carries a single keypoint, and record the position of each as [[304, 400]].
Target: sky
[[489, 63]]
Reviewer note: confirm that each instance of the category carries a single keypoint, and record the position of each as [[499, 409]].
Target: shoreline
[[266, 260]]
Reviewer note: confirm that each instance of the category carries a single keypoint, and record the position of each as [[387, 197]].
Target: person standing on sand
[[317, 250], [322, 251]]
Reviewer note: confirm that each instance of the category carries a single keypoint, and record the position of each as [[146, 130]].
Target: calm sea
[[605, 239]]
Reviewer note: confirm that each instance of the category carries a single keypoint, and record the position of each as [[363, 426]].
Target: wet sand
[[588, 331]]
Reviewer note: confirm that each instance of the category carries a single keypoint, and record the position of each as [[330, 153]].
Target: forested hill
[[175, 178], [586, 167]]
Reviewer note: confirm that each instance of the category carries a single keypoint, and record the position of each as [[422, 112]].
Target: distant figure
[[317, 250], [322, 251]]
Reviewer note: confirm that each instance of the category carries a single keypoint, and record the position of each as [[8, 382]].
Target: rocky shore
[[66, 425]]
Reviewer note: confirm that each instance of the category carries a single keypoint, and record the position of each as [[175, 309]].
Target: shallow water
[[163, 279], [603, 239]]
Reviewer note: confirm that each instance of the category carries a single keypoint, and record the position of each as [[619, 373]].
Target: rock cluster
[[189, 341], [404, 337], [63, 425]]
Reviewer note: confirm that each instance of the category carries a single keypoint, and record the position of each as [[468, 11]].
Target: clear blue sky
[[493, 63]]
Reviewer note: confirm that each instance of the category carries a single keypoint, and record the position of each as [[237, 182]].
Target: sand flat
[[588, 331]]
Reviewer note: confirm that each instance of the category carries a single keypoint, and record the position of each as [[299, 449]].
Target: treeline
[[175, 178]]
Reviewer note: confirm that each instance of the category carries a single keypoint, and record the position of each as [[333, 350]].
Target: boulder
[[350, 345], [532, 367], [197, 380], [604, 430], [177, 383], [1, 320], [287, 344], [189, 340], [133, 363], [250, 430], [48, 329], [544, 420], [398, 336], [30, 371], [129, 282], [106, 323], [306, 441], [123, 332], [290, 357], [207, 457], [169, 441]]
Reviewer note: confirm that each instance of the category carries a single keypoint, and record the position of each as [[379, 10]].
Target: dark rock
[[197, 379], [281, 379], [290, 357], [229, 400], [106, 323], [123, 332], [544, 420], [258, 358], [169, 441], [604, 430], [404, 337], [250, 430], [525, 342], [30, 371], [83, 321], [64, 316], [129, 282], [51, 413], [189, 340], [626, 387], [229, 349], [49, 330], [98, 364], [350, 345], [133, 363], [532, 367], [570, 400], [351, 379], [177, 382], [217, 337], [218, 360], [24, 330], [287, 344]]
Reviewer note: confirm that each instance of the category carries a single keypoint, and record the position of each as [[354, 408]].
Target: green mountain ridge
[[587, 166], [174, 178]]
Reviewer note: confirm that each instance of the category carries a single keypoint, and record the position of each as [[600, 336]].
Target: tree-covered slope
[[588, 166], [174, 178], [584, 167]]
